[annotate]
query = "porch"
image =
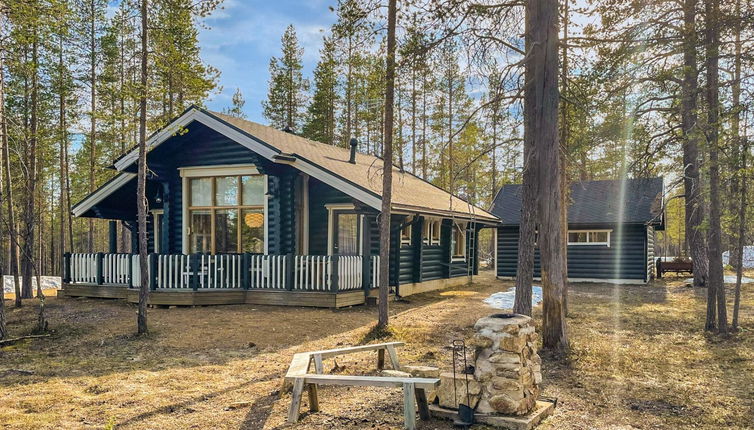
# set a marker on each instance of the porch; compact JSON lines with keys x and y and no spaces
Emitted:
{"x":201,"y":279}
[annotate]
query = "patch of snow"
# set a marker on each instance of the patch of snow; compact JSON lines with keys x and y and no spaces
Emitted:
{"x":748,"y":260}
{"x":48,"y":283}
{"x":728,"y":279}
{"x":505,"y":299}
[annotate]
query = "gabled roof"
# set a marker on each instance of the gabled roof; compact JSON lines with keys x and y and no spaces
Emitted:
{"x":596,"y":202}
{"x":328,"y":163}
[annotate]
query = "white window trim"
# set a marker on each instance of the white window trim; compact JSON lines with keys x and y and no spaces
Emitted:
{"x":224,"y":170}
{"x":430,"y":224}
{"x":334,"y":207}
{"x":461,"y":226}
{"x":212,"y":171}
{"x":407,"y":241}
{"x":607,"y":244}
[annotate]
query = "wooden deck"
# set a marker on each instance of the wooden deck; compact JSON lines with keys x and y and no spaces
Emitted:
{"x":184,"y":297}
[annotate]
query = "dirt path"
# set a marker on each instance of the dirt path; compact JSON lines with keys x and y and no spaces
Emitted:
{"x":639,"y":361}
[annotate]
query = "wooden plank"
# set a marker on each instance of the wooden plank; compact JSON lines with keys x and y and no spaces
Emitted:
{"x":299,"y":365}
{"x":421,"y":401}
{"x":327,"y":353}
{"x":380,"y":359}
{"x":298,"y":388}
{"x":313,"y":398}
{"x":349,"y":298}
{"x":318,"y":366}
{"x":291,"y":298}
{"x":409,"y":413}
{"x":97,"y":291}
{"x":371,"y":381}
{"x":393,"y":357}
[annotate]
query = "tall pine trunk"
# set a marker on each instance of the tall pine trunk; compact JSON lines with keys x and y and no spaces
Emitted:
{"x":741,"y":143}
{"x":694,"y":207}
{"x":27,"y":255}
{"x":387,"y":168}
{"x":542,"y":92}
{"x":141,"y":196}
{"x":3,"y":141}
{"x":716,"y":287}
{"x":92,"y":116}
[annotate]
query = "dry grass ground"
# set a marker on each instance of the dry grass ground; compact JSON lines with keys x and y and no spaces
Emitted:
{"x":639,"y":360}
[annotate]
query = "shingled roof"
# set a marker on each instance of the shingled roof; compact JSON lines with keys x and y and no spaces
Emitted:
{"x":362,"y":180}
{"x":595,"y":202}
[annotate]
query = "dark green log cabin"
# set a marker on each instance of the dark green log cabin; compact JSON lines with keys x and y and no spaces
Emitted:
{"x":611,"y":230}
{"x":252,"y":214}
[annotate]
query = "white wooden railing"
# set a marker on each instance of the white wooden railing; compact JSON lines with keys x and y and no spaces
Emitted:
{"x":83,"y":268}
{"x":115,"y":268}
{"x":225,"y":271}
{"x":312,"y":272}
{"x":350,"y":272}
{"x":268,"y":271}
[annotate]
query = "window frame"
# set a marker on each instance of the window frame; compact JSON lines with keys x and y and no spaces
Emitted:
{"x":589,"y":233}
{"x":460,"y":229}
{"x":213,"y":172}
{"x":406,"y":235}
{"x":333,"y":210}
{"x":431,"y":226}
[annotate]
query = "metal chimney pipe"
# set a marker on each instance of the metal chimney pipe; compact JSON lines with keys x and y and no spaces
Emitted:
{"x":354,"y":143}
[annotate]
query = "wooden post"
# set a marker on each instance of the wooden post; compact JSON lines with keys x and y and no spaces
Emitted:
{"x":113,"y":236}
{"x":130,"y":273}
{"x":298,"y":388}
{"x":246,"y":270}
{"x":152,"y":263}
{"x":409,"y":413}
{"x":313,"y":398}
{"x":98,"y":261}
{"x":446,"y":236}
{"x":421,"y":401}
{"x":416,"y":237}
{"x":66,"y":267}
{"x":334,"y":260}
{"x":289,"y":272}
{"x":165,"y":227}
{"x":366,"y":256}
{"x":195,"y":271}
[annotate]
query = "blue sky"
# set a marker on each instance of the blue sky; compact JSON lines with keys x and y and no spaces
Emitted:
{"x":244,"y":34}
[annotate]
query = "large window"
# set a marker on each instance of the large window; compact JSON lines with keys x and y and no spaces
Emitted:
{"x":226,"y":214}
{"x":589,"y":237}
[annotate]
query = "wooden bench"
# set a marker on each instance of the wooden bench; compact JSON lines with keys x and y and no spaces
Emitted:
{"x":302,"y":361}
{"x":677,"y":267}
{"x":414,"y":391}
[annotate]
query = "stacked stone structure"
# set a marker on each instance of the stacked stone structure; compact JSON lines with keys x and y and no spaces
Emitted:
{"x":507,"y":366}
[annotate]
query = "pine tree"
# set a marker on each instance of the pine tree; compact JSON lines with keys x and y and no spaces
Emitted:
{"x":287,"y":88}
{"x":180,"y":77}
{"x":320,"y":121}
{"x":238,"y":103}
